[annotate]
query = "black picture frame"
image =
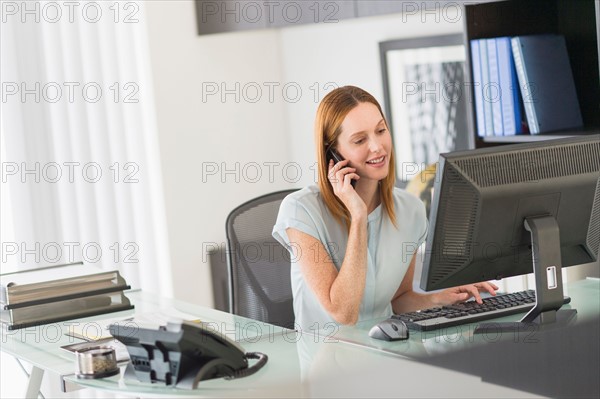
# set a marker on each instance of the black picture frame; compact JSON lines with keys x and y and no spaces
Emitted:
{"x":426,"y":99}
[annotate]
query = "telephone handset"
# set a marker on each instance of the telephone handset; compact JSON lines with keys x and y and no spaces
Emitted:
{"x":183,"y":354}
{"x":333,"y":154}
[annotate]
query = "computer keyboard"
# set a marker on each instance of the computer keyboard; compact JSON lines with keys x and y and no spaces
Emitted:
{"x":470,"y":312}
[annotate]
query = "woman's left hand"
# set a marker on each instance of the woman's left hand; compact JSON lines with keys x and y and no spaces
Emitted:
{"x":462,"y":293}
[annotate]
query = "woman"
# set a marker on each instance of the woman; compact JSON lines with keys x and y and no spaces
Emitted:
{"x":353,"y":247}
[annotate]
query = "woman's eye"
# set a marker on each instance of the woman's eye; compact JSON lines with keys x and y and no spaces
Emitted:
{"x":381,"y":131}
{"x":359,"y":141}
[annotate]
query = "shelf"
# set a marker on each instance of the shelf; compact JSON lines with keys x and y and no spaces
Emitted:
{"x":528,"y":138}
{"x":575,"y":20}
{"x":522,"y":138}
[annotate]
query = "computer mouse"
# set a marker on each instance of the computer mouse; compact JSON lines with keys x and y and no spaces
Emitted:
{"x":389,"y":330}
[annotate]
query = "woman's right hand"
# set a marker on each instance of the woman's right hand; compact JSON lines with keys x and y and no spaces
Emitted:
{"x":340,"y":177}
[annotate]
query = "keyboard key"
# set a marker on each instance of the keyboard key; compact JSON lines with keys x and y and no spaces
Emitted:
{"x":470,"y":312}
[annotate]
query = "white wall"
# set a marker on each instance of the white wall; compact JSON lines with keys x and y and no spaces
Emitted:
{"x":196,"y":132}
{"x":345,"y":53}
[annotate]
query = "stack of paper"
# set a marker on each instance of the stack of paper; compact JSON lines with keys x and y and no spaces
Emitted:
{"x":41,"y":296}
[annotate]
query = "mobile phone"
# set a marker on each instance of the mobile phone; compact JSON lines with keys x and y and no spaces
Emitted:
{"x":333,"y":154}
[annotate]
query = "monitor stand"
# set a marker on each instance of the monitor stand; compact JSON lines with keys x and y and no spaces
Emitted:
{"x":547,"y":264}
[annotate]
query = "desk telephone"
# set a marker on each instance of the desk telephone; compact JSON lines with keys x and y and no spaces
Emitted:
{"x":183,"y":354}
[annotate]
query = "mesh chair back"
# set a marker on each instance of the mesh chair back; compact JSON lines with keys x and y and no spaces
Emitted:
{"x":259,"y":267}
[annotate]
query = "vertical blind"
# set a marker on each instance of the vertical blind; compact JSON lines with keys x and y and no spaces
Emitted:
{"x":81,"y":176}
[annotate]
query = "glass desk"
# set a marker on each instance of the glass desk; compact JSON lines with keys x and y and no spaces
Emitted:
{"x":349,"y":363}
{"x":41,"y":345}
{"x":549,"y":360}
{"x":585,"y":297}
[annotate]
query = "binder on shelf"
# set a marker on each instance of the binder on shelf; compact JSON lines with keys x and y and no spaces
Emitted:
{"x":497,"y":98}
{"x":546,"y":82}
{"x":485,"y":83}
{"x":493,"y":88}
{"x":510,"y":107}
{"x":477,"y":88}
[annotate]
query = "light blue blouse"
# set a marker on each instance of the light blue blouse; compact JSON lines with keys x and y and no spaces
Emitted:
{"x":389,"y":250}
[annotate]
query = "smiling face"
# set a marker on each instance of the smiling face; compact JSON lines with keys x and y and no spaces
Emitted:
{"x":366,"y":142}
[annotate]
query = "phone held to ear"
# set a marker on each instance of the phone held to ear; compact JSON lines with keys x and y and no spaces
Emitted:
{"x":333,"y":154}
{"x":183,"y":354}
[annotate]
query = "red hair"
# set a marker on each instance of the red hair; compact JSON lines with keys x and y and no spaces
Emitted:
{"x":331,"y":113}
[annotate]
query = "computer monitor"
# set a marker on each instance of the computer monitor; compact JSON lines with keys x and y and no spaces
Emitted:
{"x":515,"y":209}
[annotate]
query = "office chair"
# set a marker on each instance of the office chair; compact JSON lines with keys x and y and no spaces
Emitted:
{"x":259,"y":267}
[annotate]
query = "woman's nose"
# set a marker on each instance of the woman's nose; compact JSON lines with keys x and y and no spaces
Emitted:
{"x":375,"y":145}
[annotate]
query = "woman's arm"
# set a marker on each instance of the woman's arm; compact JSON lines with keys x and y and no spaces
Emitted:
{"x":406,"y":300}
{"x":340,"y":293}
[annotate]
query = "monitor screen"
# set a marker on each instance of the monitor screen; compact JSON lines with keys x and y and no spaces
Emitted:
{"x":482,"y":198}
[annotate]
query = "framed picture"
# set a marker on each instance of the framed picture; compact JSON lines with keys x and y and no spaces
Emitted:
{"x":425,"y":99}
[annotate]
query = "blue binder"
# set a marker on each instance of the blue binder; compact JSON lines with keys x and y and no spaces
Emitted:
{"x":546,"y":83}
{"x":486,"y":87}
{"x":477,"y":88}
{"x":509,"y":88}
{"x":493,"y":89}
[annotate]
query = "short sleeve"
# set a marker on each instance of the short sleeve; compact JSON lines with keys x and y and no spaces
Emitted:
{"x":293,"y":214}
